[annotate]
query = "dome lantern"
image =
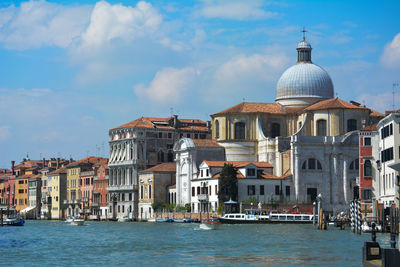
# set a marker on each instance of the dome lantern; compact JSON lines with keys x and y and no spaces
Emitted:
{"x":304,"y":49}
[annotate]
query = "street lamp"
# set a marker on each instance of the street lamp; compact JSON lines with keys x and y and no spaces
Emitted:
{"x":319,"y":198}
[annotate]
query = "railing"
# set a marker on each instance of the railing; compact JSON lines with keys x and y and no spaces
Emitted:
{"x":122,"y":187}
{"x":202,"y":197}
{"x":87,"y":173}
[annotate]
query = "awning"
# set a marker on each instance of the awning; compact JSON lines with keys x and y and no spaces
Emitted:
{"x":230,"y":202}
{"x":28,"y":209}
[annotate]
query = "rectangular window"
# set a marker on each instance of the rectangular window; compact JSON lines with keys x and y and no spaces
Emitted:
{"x":188,"y":135}
{"x":277,"y":190}
{"x":261,"y":190}
{"x":209,"y":190}
{"x":251,"y":172}
{"x":169,"y":135}
{"x":21,"y":191}
{"x":159,"y":135}
{"x":367,"y":141}
{"x":251,"y":190}
{"x":193,"y":191}
{"x":216,"y":189}
{"x":287,"y":190}
{"x":207,"y":173}
{"x":198,"y":190}
{"x":196,"y":136}
{"x":201,"y":173}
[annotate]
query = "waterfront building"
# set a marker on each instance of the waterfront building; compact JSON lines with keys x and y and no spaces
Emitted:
{"x":7,"y":188}
{"x":368,"y":165}
{"x":100,"y":193}
{"x":34,"y":196}
{"x":87,"y":182}
{"x":306,"y":132}
{"x":45,"y":210}
{"x":189,"y":154}
{"x":141,"y":144}
{"x":57,"y":188}
{"x":74,"y":193}
{"x":389,"y":164}
{"x":21,"y":192}
{"x":153,"y":184}
{"x":255,"y":182}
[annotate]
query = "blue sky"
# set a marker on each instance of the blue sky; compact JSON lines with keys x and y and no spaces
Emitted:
{"x":71,"y":70}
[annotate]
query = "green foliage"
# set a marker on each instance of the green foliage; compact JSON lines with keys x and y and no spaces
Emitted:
{"x":180,"y":208}
{"x":157,"y":205}
{"x":228,"y":188}
{"x":170,"y":207}
{"x":188,"y":207}
{"x":251,"y":200}
{"x":220,"y":209}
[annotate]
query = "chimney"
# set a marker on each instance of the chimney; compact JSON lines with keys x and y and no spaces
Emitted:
{"x":44,"y":162}
{"x":58,"y":163}
{"x":12,"y":167}
{"x":175,"y":121}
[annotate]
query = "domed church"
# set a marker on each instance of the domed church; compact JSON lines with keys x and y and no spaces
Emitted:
{"x":306,"y":133}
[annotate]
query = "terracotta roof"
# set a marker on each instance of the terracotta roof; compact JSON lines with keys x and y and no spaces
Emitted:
{"x":60,"y":170}
{"x":333,"y":103}
{"x":375,"y":113}
{"x":205,"y":143}
{"x":148,"y":122}
{"x":370,"y":128}
{"x":245,"y":107}
{"x":387,"y":112}
{"x":163,"y":167}
{"x":237,"y":164}
{"x":91,"y":159}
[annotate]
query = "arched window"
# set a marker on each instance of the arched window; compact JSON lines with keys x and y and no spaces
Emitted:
{"x":354,"y":165}
{"x":240,"y":130}
{"x":351,"y":125}
{"x":367,"y":168}
{"x":216,"y":129}
{"x":321,"y":128}
{"x":275,"y":130}
{"x":311,"y":164}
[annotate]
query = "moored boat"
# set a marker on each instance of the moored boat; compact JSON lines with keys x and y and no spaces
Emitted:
{"x":14,"y":221}
{"x":241,"y":218}
{"x":124,"y":219}
{"x":184,"y":220}
{"x":165,"y":219}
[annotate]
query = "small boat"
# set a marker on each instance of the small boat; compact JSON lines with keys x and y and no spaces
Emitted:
{"x":69,"y":219}
{"x":14,"y":221}
{"x":165,"y":219}
{"x":210,"y":224}
{"x":291,"y":218}
{"x":367,"y":228}
{"x":124,"y":219}
{"x":77,"y":222}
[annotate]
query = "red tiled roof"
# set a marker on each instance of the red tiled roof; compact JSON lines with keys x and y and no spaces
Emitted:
{"x":237,"y":164}
{"x":333,"y":103}
{"x":58,"y":171}
{"x":387,"y":112}
{"x":148,"y":122}
{"x":163,"y":167}
{"x":370,"y":128}
{"x":205,"y":143}
{"x":375,"y":113}
{"x":91,"y":159}
{"x":245,"y":107}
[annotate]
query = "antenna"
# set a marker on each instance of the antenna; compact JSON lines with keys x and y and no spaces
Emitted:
{"x":395,"y":84}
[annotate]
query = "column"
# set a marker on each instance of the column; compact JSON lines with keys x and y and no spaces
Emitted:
{"x":296,"y":173}
{"x":345,"y":181}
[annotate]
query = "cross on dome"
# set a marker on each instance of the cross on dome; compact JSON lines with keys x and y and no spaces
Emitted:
{"x":304,"y":33}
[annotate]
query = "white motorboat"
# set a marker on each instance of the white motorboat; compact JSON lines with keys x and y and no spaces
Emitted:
{"x":239,"y":218}
{"x":124,"y":219}
{"x":77,"y":222}
{"x":290,"y":218}
{"x":69,"y":219}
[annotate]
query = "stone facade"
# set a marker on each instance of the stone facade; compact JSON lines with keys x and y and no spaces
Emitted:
{"x":141,"y":144}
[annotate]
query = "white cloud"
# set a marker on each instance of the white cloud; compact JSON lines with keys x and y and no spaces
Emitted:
{"x":168,"y":85}
{"x":118,"y":22}
{"x":236,"y":10}
{"x":391,"y":54}
{"x":4,"y":132}
{"x":380,"y":102}
{"x":38,"y":23}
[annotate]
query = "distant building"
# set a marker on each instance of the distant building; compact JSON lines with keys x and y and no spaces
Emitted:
{"x":141,"y":144}
{"x":369,"y":189}
{"x":255,"y":181}
{"x":153,"y":186}
{"x":100,"y":192}
{"x":57,"y":188}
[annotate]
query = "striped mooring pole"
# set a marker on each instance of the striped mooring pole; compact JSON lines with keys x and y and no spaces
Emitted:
{"x":352,"y":215}
{"x":359,"y":216}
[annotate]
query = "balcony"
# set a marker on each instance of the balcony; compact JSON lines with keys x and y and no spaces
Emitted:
{"x":122,"y":188}
{"x":95,"y":204}
{"x":71,"y":202}
{"x":202,"y":197}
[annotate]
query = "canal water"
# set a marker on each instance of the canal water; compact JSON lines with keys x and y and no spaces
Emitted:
{"x":54,"y":243}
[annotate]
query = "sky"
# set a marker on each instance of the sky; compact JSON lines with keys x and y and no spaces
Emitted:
{"x":72,"y":70}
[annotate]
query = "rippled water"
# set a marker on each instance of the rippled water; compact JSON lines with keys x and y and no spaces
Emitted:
{"x":56,"y":243}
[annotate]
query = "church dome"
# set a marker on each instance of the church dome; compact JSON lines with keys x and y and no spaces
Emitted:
{"x":304,"y":83}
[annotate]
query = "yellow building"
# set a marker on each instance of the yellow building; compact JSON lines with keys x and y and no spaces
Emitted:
{"x":21,"y":192}
{"x":56,"y":186}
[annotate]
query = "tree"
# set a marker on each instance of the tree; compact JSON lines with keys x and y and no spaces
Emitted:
{"x":228,"y":188}
{"x":157,"y":205}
